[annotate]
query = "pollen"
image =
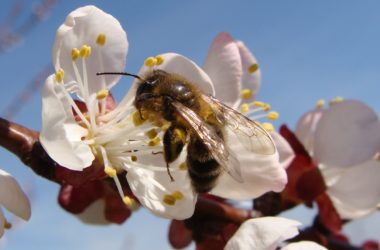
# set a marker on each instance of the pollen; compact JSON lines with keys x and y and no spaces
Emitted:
{"x":169,"y":199}
{"x":134,"y":158}
{"x":180,"y":134}
{"x":59,"y":75}
{"x":183,"y":166}
{"x":246,"y":93}
{"x":110,"y":171}
{"x":154,"y":142}
{"x":102,"y":94}
{"x":75,"y":53}
{"x":244,"y":108}
{"x":101,"y":39}
{"x":160,"y":60}
{"x":336,"y":100}
{"x":273,"y":115}
{"x":320,"y":104}
{"x":7,"y":225}
{"x":253,"y":68}
{"x":150,"y":61}
{"x":152,"y":133}
{"x":178,"y":195}
{"x":137,"y":119}
{"x":130,"y":202}
{"x":267,"y":126}
{"x":85,"y":51}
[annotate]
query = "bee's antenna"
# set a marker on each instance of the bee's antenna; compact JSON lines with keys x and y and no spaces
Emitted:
{"x":119,"y":73}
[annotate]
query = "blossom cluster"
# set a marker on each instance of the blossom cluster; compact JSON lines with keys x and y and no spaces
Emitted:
{"x":94,"y":139}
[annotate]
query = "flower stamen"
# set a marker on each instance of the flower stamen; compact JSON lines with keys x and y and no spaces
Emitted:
{"x":169,"y":199}
{"x":183,"y":166}
{"x":246,"y":94}
{"x":75,"y":53}
{"x":59,"y":75}
{"x":130,"y":202}
{"x":102,"y":94}
{"x":253,"y":68}
{"x":267,"y":126}
{"x":159,"y":60}
{"x":7,"y":225}
{"x":320,"y":104}
{"x":336,"y":100}
{"x":154,"y":142}
{"x":101,"y":39}
{"x":150,"y":61}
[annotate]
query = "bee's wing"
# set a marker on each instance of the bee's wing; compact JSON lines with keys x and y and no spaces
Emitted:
{"x":254,"y":138}
{"x":213,"y":142}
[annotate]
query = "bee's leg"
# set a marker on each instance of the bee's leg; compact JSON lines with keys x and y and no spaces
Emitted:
{"x":174,"y":140}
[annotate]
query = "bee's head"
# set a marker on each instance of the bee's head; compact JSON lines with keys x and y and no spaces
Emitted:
{"x":148,"y":91}
{"x":146,"y":96}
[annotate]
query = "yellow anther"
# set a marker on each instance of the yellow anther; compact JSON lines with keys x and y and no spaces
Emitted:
{"x":336,"y":100}
{"x":101,"y":39}
{"x":169,"y":199}
{"x":102,"y":94}
{"x":273,"y":115}
{"x":152,"y":133}
{"x":159,"y":60}
{"x":130,"y":202}
{"x":154,"y":142}
{"x":267,"y":126}
{"x":150,"y":61}
{"x":246,"y":93}
{"x":183,"y":166}
{"x":253,"y":68}
{"x":320,"y":104}
{"x":59,"y":75}
{"x":258,"y":104}
{"x":75,"y":53}
{"x":110,"y":171}
{"x":244,"y":108}
{"x":137,"y":119}
{"x":267,"y":107}
{"x":85,"y":51}
{"x":178,"y":195}
{"x":7,"y":225}
{"x":134,"y":158}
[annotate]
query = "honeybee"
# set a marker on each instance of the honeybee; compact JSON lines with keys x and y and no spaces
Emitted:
{"x":199,"y":121}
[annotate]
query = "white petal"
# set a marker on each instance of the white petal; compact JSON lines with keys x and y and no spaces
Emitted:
{"x":304,"y":245}
{"x":82,"y":27}
{"x":261,"y":173}
{"x":94,"y":214}
{"x":306,"y":126}
{"x":2,"y":221}
{"x":177,"y":64}
{"x":150,"y":187}
{"x":356,"y":192}
{"x":250,"y":81}
{"x":347,"y":134}
{"x":285,"y":151}
{"x":12,"y":197}
{"x":264,"y":233}
{"x":223,"y":65}
{"x":60,"y":134}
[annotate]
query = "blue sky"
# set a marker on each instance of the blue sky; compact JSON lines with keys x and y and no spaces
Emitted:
{"x":307,"y":50}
